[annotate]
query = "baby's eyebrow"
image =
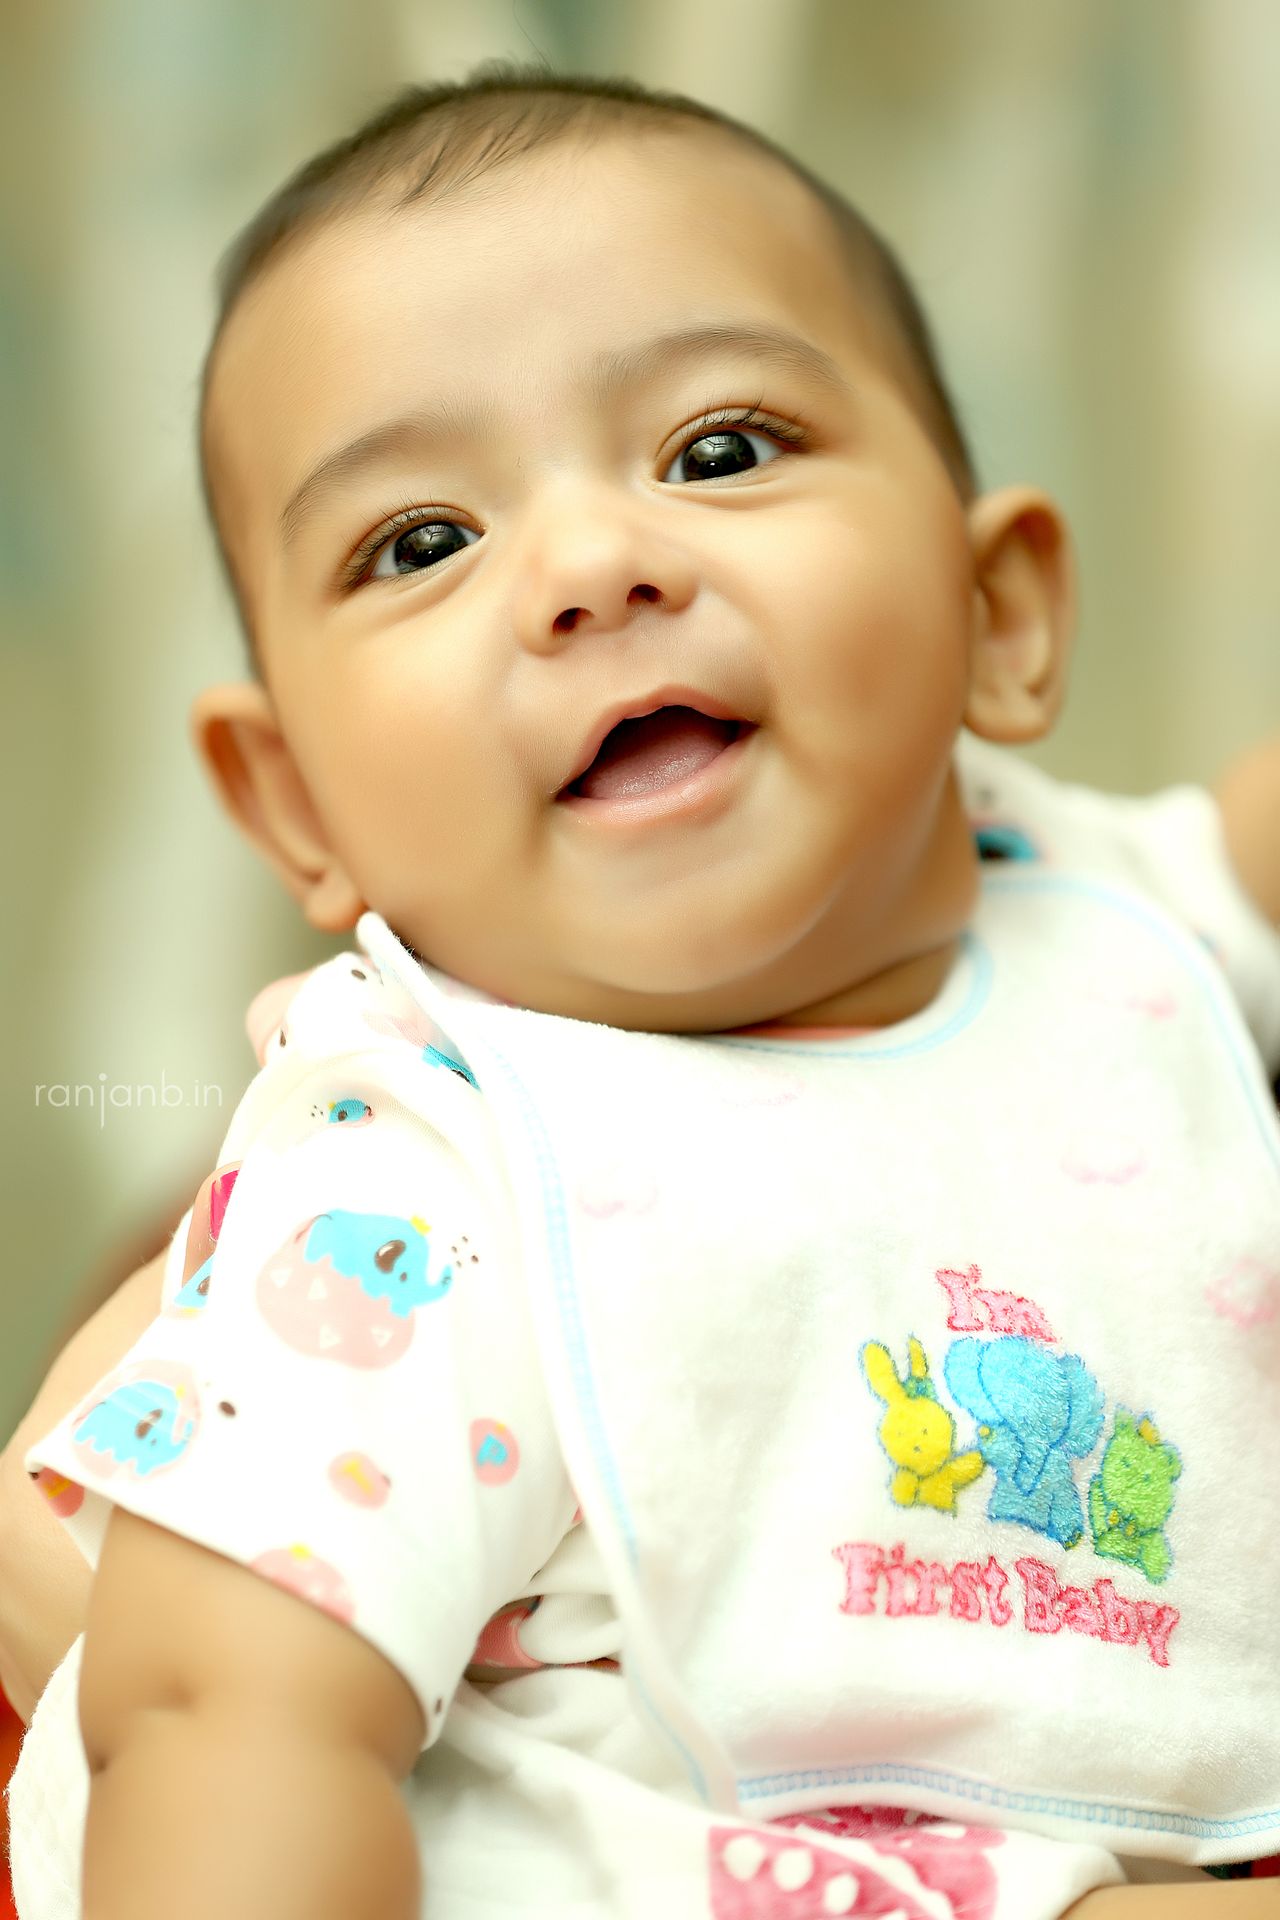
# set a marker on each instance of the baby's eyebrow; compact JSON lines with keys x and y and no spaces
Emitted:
{"x":448,"y":420}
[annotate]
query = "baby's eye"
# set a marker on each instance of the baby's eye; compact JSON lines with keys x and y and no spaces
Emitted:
{"x":417,"y":547}
{"x":709,"y":455}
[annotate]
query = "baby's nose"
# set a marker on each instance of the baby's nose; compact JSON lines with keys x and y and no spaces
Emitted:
{"x":594,"y":564}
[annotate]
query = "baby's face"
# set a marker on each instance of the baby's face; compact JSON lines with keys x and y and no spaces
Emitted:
{"x":526,"y":374}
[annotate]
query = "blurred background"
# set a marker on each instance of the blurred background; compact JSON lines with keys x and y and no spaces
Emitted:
{"x":1087,"y":194}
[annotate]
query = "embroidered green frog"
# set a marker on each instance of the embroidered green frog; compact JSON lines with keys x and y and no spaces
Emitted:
{"x":1131,"y":1495}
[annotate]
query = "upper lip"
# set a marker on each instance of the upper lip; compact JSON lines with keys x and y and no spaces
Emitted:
{"x":636,"y":709}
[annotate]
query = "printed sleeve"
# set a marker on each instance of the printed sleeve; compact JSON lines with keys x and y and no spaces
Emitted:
{"x":342,"y":1394}
{"x":1170,"y":846}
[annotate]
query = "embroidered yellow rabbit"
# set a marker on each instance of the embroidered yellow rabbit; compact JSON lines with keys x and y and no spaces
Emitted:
{"x":917,"y":1434}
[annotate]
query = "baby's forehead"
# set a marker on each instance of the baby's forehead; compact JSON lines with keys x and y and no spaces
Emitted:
{"x":679,"y":208}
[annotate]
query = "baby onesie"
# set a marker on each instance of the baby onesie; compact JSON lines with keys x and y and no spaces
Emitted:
{"x":892,"y":1415}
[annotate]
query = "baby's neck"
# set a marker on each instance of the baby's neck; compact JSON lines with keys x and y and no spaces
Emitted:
{"x":883,"y":1000}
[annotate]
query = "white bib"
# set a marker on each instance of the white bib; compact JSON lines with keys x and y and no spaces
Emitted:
{"x":920,"y":1387}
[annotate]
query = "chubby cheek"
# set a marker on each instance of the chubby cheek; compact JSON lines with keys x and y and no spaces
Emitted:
{"x":393,"y":764}
{"x":882,"y":633}
{"x":878,"y":677}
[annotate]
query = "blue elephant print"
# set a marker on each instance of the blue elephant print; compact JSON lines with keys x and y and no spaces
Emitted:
{"x":142,"y":1425}
{"x":1037,"y":1412}
{"x":385,"y":1252}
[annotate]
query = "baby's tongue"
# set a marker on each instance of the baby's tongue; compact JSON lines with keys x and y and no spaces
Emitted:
{"x":641,"y":756}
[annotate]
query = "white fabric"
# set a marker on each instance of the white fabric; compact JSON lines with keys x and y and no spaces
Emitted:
{"x":1033,"y":1234}
{"x":318,"y":1411}
{"x":1168,"y":845}
{"x":48,"y":1798}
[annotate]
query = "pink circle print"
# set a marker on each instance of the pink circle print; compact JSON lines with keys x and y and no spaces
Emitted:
{"x":494,"y":1452}
{"x":297,"y":1570}
{"x":1248,"y":1293}
{"x":359,"y":1480}
{"x":63,"y":1496}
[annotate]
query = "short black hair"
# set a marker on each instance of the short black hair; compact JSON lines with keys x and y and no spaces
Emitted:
{"x":426,"y":141}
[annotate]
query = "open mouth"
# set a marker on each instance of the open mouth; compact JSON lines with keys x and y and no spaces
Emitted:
{"x":639,"y":757}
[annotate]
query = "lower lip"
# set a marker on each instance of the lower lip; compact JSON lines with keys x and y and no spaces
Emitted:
{"x":694,"y":794}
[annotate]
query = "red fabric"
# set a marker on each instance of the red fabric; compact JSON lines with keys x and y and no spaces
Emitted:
{"x":11,"y":1731}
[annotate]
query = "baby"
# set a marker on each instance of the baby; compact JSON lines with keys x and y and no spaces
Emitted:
{"x":735,"y":1373}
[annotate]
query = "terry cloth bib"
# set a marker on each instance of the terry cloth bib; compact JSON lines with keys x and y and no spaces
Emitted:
{"x":920,"y":1386}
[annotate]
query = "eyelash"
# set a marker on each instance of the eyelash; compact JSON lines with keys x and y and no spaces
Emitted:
{"x":796,"y":434}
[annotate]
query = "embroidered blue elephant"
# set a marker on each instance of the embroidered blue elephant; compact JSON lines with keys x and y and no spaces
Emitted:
{"x":1037,"y":1412}
{"x":142,"y":1425}
{"x":385,"y":1252}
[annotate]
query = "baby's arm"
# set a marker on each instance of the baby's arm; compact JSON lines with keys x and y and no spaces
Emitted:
{"x":1229,"y":1900}
{"x":44,"y":1577}
{"x":1249,"y":795}
{"x":245,"y":1750}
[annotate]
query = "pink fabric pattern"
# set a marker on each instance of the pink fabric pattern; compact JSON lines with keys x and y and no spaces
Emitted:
{"x":756,"y":1873}
{"x":950,"y":1860}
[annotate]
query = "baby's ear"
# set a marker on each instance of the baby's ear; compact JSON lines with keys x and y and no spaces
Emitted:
{"x":1024,"y":610}
{"x":258,"y":782}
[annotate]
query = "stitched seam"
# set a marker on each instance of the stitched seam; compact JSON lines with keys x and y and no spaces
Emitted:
{"x":960,"y":1786}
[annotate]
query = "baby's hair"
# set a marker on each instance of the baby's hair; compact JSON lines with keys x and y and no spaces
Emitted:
{"x":427,"y":142}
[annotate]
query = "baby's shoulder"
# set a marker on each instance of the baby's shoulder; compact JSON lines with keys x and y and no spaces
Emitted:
{"x":345,"y":1005}
{"x":1166,"y":848}
{"x":342,"y":1042}
{"x":1021,"y":813}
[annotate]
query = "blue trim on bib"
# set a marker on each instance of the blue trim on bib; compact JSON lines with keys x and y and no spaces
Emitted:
{"x":959,"y":1786}
{"x":856,"y":1049}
